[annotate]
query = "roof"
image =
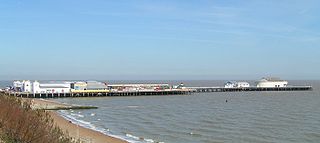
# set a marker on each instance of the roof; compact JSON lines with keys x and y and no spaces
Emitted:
{"x":231,"y":82}
{"x":136,"y":85}
{"x":243,"y":82}
{"x":53,"y":86}
{"x":95,"y":85}
{"x":272,"y":79}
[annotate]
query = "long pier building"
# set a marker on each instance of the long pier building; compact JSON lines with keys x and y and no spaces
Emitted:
{"x":37,"y":89}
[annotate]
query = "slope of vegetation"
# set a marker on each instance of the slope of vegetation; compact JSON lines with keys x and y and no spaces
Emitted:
{"x":20,"y":124}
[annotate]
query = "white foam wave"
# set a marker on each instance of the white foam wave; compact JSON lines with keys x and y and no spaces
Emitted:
{"x":79,"y":115}
{"x":132,"y":106}
{"x":73,"y":118}
{"x":141,"y":139}
{"x":149,"y":140}
{"x":132,"y":136}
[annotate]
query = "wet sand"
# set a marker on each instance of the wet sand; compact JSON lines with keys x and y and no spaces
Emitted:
{"x":75,"y":131}
{"x":84,"y":134}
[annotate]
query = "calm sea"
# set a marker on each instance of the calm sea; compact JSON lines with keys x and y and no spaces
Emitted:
{"x":258,"y":117}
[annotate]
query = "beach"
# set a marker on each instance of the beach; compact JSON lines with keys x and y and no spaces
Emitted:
{"x":74,"y":131}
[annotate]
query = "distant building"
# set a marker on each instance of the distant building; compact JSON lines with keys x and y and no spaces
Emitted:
{"x":242,"y":84}
{"x":180,"y":86}
{"x":135,"y":87}
{"x":272,"y":82}
{"x":230,"y":84}
{"x":63,"y":87}
{"x":17,"y":86}
{"x":27,"y":87}
{"x":22,"y":86}
{"x":95,"y":85}
{"x":234,"y":84}
{"x":79,"y":86}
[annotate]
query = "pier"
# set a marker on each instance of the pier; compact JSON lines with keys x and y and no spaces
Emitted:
{"x":103,"y":94}
{"x":36,"y":89}
{"x":185,"y":91}
{"x":247,"y":89}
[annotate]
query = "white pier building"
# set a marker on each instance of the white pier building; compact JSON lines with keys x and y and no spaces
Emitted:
{"x":272,"y":82}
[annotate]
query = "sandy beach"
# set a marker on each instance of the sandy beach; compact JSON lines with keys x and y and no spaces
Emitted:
{"x":77,"y":132}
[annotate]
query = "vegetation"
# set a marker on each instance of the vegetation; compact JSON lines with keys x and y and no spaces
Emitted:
{"x":20,"y":124}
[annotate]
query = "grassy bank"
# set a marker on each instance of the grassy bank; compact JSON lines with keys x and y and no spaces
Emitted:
{"x":20,"y":124}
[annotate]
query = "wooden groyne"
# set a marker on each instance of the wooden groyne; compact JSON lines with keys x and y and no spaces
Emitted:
{"x":52,"y":105}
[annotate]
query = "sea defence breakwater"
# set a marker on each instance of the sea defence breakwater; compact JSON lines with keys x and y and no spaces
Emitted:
{"x":60,"y":89}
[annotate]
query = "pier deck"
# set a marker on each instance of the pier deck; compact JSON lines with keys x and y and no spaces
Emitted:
{"x":186,"y":91}
{"x":244,"y":89}
{"x":101,"y":94}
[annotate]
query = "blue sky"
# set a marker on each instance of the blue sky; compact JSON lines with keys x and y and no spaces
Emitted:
{"x":167,"y":39}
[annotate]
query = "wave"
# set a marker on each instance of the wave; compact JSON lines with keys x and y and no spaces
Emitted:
{"x":142,"y":139}
{"x":79,"y":115}
{"x":127,"y":137}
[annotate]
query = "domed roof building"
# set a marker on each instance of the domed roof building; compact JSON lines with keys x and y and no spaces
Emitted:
{"x":272,"y":82}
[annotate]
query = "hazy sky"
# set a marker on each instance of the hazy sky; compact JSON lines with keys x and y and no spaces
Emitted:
{"x":164,"y":39}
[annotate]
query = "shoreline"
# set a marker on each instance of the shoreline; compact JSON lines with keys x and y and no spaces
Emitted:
{"x":73,"y":130}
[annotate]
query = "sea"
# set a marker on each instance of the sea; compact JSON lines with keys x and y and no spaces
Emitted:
{"x":219,"y":117}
